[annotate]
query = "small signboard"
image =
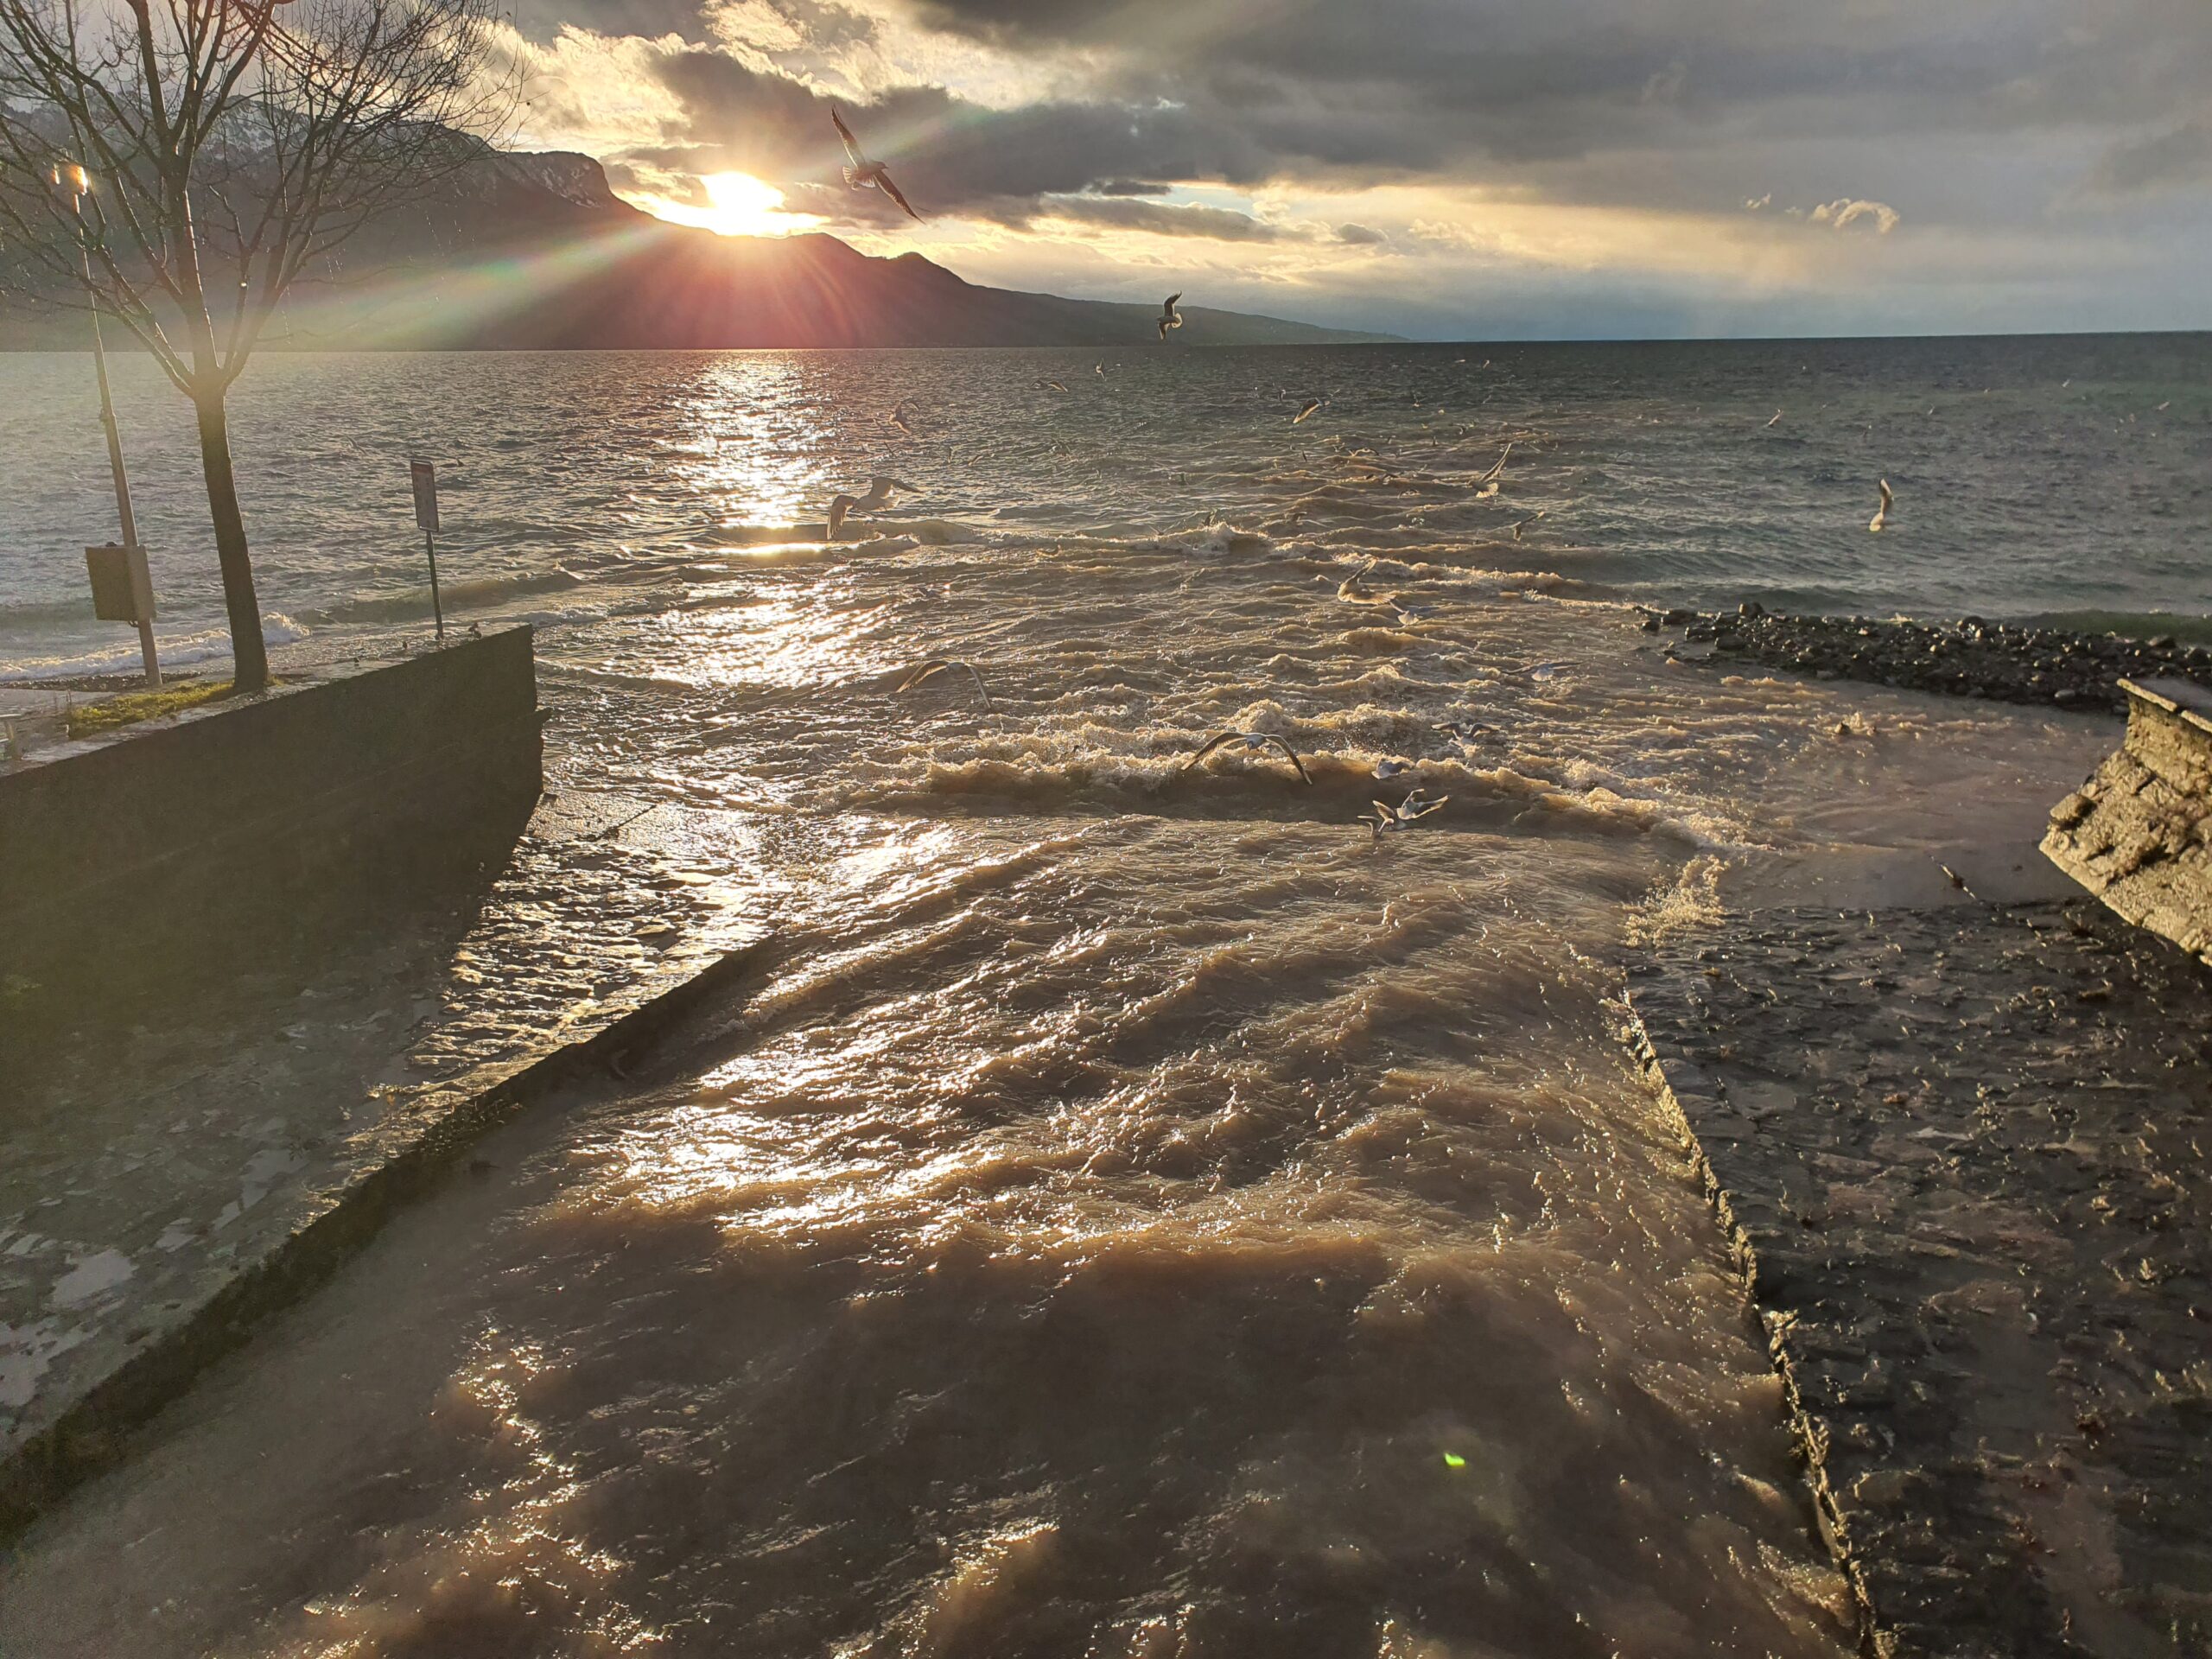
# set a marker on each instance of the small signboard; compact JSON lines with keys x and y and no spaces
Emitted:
{"x":426,"y":495}
{"x":123,"y":588}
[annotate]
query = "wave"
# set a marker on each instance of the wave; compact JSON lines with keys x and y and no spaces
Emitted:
{"x":2129,"y":624}
{"x":177,"y":651}
{"x":481,"y":593}
{"x":1095,"y":768}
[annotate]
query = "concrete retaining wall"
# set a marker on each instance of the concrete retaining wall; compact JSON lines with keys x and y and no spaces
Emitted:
{"x":2138,"y":835}
{"x":187,"y":833}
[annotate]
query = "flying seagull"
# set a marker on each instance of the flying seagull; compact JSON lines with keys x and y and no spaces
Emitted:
{"x":1250,"y":741}
{"x":1491,"y":476}
{"x":1311,"y":405}
{"x":1389,"y":819}
{"x":878,"y":498}
{"x":1881,"y":519}
{"x":1777,"y":421}
{"x":937,"y":665}
{"x":1050,"y":386}
{"x":899,"y":419}
{"x":1168,"y":319}
{"x":1352,"y":588}
{"x":861,"y":173}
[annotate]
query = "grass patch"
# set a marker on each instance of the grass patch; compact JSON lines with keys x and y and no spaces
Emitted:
{"x":110,"y":714}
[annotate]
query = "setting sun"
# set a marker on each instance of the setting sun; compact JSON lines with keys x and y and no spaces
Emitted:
{"x":737,"y":205}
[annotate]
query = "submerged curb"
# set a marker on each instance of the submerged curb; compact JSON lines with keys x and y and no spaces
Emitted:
{"x":1686,"y":1092}
{"x":93,"y":1432}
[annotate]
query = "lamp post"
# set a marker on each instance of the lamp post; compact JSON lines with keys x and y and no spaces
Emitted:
{"x":75,"y":179}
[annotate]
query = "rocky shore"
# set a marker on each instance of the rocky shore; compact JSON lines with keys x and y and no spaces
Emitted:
{"x":2009,"y":662}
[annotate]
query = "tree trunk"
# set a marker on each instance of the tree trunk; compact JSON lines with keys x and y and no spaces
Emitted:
{"x":247,"y":648}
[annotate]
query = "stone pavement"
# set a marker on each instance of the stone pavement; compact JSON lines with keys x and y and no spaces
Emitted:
{"x":1961,"y":1149}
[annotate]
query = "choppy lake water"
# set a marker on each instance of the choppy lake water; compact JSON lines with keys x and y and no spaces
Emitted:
{"x":1139,"y":1214}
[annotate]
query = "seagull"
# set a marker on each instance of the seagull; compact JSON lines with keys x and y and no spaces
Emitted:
{"x":1389,"y":819}
{"x":1777,"y":421}
{"x":1882,"y":514}
{"x":878,"y":496}
{"x":1311,"y":404}
{"x":1386,"y":770}
{"x":1168,"y":319}
{"x":1352,"y":588}
{"x":899,"y":419}
{"x":2164,"y":407}
{"x":1490,"y":477}
{"x":937,"y":665}
{"x":861,"y":173}
{"x":1250,"y":741}
{"x":1530,"y":520}
{"x":1050,"y":386}
{"x":1098,"y":369}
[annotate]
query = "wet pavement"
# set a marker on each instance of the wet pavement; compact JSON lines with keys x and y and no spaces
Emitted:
{"x":1961,"y":1150}
{"x":161,"y":1153}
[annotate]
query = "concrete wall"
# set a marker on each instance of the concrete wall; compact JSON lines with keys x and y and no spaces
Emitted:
{"x":2138,"y":835}
{"x":192,"y":830}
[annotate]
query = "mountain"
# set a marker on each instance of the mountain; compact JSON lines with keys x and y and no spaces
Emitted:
{"x":536,"y":251}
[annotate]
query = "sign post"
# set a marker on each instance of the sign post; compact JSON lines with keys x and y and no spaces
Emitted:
{"x":425,"y":478}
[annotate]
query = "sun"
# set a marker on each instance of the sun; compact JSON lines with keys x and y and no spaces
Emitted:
{"x":737,"y":205}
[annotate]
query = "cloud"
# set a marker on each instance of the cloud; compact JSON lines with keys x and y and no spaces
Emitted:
{"x":2164,"y":161}
{"x":1220,"y":224}
{"x":1845,"y":212}
{"x":1597,"y":135}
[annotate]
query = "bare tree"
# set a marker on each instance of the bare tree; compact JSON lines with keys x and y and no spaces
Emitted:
{"x":231,"y":145}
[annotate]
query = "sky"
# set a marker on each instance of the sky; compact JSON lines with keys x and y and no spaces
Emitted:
{"x":1442,"y":169}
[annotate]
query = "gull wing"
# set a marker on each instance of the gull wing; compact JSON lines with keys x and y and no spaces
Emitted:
{"x":1409,"y":812}
{"x":937,"y":665}
{"x":1211,"y":744}
{"x":852,"y":144}
{"x":1168,"y":310}
{"x":1492,"y":475}
{"x":981,"y":691}
{"x":891,"y":190}
{"x":1294,"y":760}
{"x":838,"y":509}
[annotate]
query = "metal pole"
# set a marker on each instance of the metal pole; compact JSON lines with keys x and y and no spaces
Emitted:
{"x":430,"y":547}
{"x":114,"y":435}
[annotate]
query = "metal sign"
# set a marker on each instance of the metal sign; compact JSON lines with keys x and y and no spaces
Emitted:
{"x":123,"y":588}
{"x":426,"y":495}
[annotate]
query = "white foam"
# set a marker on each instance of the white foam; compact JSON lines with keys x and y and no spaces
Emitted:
{"x":177,"y":651}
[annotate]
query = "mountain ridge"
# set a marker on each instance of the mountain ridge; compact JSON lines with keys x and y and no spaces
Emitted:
{"x":534,"y":251}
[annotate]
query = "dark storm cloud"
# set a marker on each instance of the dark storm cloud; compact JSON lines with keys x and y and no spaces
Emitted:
{"x":1360,"y":235}
{"x":952,"y":154}
{"x":1695,"y":104}
{"x":2161,"y":161}
{"x":1400,"y":87}
{"x":1220,"y":224}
